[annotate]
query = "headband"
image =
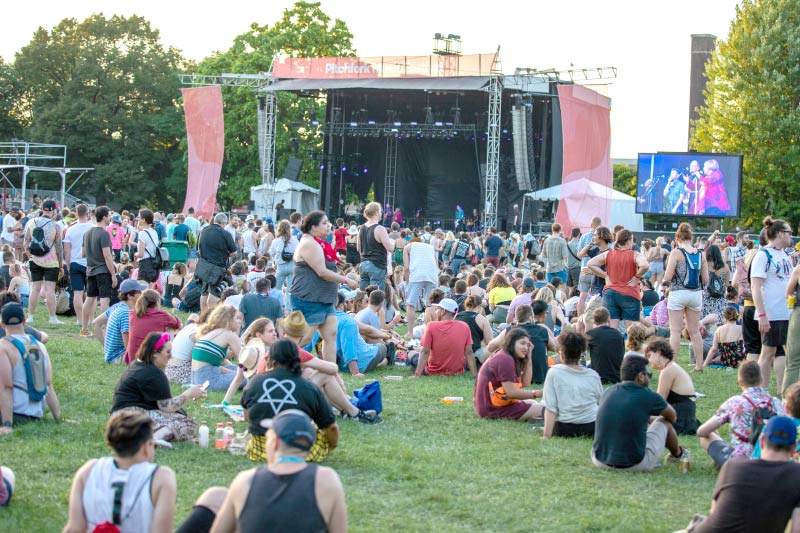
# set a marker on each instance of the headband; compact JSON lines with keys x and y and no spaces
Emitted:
{"x":164,"y":339}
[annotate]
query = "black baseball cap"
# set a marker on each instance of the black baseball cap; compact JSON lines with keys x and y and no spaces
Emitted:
{"x":49,"y":205}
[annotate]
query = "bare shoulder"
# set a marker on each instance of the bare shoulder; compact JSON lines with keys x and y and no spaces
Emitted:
{"x":165,"y":475}
{"x":329,"y":479}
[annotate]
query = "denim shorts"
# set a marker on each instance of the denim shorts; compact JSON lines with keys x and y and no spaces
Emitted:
{"x":217,"y":381}
{"x":561,"y":274}
{"x":621,"y":306}
{"x":371,"y":274}
{"x":315,"y":313}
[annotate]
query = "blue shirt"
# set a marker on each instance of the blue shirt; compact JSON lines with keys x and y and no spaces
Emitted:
{"x":350,"y":345}
{"x":180,"y":232}
{"x":117,"y":325}
{"x":493,"y":245}
{"x":161,"y":230}
{"x":585,"y":240}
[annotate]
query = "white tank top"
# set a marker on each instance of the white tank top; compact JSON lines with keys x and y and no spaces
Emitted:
{"x":249,"y":242}
{"x":131,"y":488}
{"x":422,"y":264}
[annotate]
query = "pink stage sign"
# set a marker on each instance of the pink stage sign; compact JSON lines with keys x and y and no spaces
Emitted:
{"x":433,"y":66}
{"x":205,"y":132}
{"x":586,"y":126}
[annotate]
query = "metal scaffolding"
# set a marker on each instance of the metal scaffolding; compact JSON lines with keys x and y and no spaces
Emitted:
{"x":495,"y":90}
{"x":391,"y":171}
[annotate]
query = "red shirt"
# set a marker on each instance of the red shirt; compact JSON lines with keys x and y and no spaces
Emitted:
{"x":621,"y":267}
{"x":447,"y":340}
{"x":155,"y":320}
{"x":340,"y":235}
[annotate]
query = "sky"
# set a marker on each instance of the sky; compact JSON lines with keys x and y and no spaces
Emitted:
{"x":648,"y":42}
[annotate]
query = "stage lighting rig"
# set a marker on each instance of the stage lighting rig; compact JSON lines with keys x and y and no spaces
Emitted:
{"x":446,"y":45}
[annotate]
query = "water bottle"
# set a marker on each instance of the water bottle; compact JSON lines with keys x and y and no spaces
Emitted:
{"x":219,"y":437}
{"x":203,"y":434}
{"x":228,"y":434}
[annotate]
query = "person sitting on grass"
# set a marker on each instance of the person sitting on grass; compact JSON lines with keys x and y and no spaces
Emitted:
{"x":727,"y":349}
{"x":446,"y":344}
{"x":758,"y":495}
{"x":116,"y":321}
{"x":738,"y":411}
{"x":7,"y":483}
{"x":532,"y":320}
{"x":216,"y":338}
{"x":635,"y":341}
{"x":606,"y":347}
{"x":479,"y":326}
{"x":674,"y":385}
{"x":16,"y":403}
{"x":572,"y":392}
{"x":145,"y":318}
{"x":280,"y":388}
{"x":353,"y":353}
{"x":300,"y":496}
{"x":791,"y":403}
{"x":145,"y":388}
{"x":500,"y":390}
{"x":624,"y":438}
{"x":260,"y":303}
{"x":8,"y":297}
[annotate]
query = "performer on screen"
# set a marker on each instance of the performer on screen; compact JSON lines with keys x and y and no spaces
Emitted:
{"x":713,"y":197}
{"x":460,"y":226}
{"x":691,"y":202}
{"x":674,"y":193}
{"x":648,"y":197}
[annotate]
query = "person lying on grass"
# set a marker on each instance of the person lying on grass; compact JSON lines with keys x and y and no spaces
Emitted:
{"x":572,"y":392}
{"x":500,"y":390}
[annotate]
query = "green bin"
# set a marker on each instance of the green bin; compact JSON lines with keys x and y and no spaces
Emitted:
{"x":178,"y":252}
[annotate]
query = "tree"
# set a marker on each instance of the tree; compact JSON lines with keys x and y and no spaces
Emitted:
{"x":108,"y":90}
{"x":303,"y":31}
{"x":11,"y":104}
{"x":625,"y":178}
{"x":752,"y":99}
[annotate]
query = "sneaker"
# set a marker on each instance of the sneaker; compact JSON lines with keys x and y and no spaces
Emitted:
{"x":54,"y":321}
{"x":684,"y":455}
{"x":85,"y":333}
{"x":368,"y":417}
{"x":162,"y":444}
{"x":29,"y":319}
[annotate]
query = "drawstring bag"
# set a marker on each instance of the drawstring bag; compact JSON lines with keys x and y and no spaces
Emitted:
{"x":368,"y":397}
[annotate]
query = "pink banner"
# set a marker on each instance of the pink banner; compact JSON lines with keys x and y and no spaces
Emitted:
{"x":587,"y":176}
{"x":205,"y":133}
{"x":433,"y":66}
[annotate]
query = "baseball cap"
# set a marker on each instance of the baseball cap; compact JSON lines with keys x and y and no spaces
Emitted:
{"x":448,"y":305}
{"x":730,"y":240}
{"x":49,"y":205}
{"x":116,"y":218}
{"x":171,"y":216}
{"x":528,"y":283}
{"x":131,"y":285}
{"x":293,"y":427}
{"x":13,"y":314}
{"x":779,"y":430}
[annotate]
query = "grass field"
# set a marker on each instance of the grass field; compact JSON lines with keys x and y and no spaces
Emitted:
{"x":429,"y":467}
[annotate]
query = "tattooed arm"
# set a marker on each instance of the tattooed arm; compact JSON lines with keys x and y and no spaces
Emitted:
{"x":171,"y":405}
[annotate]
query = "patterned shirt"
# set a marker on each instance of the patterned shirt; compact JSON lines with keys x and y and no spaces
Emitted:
{"x":738,"y":412}
{"x":659,"y":315}
{"x":734,"y":254}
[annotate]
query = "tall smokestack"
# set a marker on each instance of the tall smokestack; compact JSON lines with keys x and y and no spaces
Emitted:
{"x":702,"y":47}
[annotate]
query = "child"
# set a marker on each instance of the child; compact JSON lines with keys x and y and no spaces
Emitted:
{"x":635,"y":342}
{"x":728,"y":345}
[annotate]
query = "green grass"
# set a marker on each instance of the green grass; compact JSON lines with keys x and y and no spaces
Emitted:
{"x":429,"y":466}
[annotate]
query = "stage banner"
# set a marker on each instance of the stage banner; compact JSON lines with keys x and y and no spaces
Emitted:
{"x":586,"y":125}
{"x":433,"y":66}
{"x":205,"y":133}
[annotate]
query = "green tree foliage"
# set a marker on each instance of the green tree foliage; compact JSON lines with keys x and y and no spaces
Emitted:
{"x":625,"y":178}
{"x":752,"y":100}
{"x":11,"y":103}
{"x":303,"y":31}
{"x":108,"y":90}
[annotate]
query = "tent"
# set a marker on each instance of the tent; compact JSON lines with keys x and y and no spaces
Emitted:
{"x":585,"y":195}
{"x":296,"y":196}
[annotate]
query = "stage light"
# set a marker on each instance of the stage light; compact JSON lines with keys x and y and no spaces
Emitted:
{"x":438,"y":124}
{"x":505,"y":131}
{"x":365,"y":170}
{"x":322,"y":167}
{"x":371,"y":122}
{"x":398,"y":124}
{"x":315,"y":122}
{"x":448,"y":123}
{"x":413,"y":123}
{"x":344,"y":169}
{"x":354,"y":124}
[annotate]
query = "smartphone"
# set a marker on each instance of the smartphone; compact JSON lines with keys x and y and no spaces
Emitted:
{"x":205,"y":385}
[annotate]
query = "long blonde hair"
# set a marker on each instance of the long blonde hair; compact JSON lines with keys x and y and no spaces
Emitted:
{"x":545,"y":294}
{"x":284,"y":230}
{"x":220,"y":318}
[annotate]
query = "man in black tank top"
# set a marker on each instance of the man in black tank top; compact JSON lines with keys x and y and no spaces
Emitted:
{"x":288,"y":494}
{"x":374,"y":245}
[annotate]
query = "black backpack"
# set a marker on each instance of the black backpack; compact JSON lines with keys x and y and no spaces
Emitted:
{"x":716,"y":289}
{"x":39,"y":245}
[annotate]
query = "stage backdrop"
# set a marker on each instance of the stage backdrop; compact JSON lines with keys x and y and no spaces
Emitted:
{"x":587,"y":154}
{"x":205,"y":132}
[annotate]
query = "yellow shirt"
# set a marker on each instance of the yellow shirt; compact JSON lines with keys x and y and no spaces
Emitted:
{"x":501,"y":294}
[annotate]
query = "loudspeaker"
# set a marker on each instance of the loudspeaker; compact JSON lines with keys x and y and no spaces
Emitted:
{"x":519,"y":125}
{"x":293,"y":168}
{"x":284,"y":213}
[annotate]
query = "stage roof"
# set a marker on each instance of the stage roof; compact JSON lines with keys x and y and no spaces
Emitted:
{"x":521,"y":83}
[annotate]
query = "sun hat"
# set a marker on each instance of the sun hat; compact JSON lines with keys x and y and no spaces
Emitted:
{"x":352,"y":230}
{"x":249,"y":357}
{"x":448,"y":305}
{"x":292,"y":427}
{"x":295,"y":325}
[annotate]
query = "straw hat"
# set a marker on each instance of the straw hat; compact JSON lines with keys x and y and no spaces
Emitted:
{"x":249,"y":357}
{"x":295,"y":325}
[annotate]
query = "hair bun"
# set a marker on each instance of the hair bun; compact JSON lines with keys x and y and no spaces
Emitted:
{"x":768,"y":221}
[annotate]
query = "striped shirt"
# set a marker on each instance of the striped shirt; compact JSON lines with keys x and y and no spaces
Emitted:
{"x":117,"y":325}
{"x":209,"y":352}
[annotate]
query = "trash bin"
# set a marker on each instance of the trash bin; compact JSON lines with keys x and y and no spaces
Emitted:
{"x":178,"y":252}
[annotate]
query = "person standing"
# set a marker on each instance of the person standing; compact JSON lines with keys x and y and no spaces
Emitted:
{"x":585,"y":280}
{"x":215,"y":246}
{"x":9,"y":223}
{"x":556,"y":252}
{"x":43,"y":241}
{"x":282,"y":252}
{"x":374,"y":245}
{"x":100,"y":269}
{"x":793,"y":335}
{"x":117,"y":233}
{"x":573,"y":261}
{"x":76,"y":266}
{"x":249,"y":240}
{"x":421,"y":273}
{"x":492,"y":246}
{"x":769,"y":278}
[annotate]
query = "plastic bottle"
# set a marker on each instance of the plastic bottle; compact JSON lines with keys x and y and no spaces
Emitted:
{"x":229,"y":433}
{"x":219,"y":437}
{"x":203,"y":434}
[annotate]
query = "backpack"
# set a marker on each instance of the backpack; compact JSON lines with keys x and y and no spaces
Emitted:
{"x":533,"y":248}
{"x":758,"y":419}
{"x":692,"y":281}
{"x":749,"y":281}
{"x":39,"y":246}
{"x":35,"y":367}
{"x":397,"y":256}
{"x":716,"y":289}
{"x":161,"y":257}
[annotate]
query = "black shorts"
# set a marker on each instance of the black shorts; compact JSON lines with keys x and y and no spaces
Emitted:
{"x":720,"y":451}
{"x":77,"y":277}
{"x":565,"y":429}
{"x":39,"y":273}
{"x":777,"y":334}
{"x":199,"y":520}
{"x":99,"y":285}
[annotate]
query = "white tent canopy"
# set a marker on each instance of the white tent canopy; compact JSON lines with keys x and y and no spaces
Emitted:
{"x":295,"y":195}
{"x":623,"y":206}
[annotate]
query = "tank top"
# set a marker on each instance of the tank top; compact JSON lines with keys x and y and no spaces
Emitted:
{"x":20,"y":399}
{"x":621,"y":267}
{"x":352,"y":255}
{"x":462,"y":249}
{"x":121,"y":497}
{"x":286,"y":502}
{"x":468,"y":317}
{"x":309,"y":287}
{"x":371,"y":249}
{"x":206,"y":351}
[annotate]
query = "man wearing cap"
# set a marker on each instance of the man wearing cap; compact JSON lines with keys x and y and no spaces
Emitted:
{"x":758,"y":494}
{"x":76,"y":265}
{"x":45,"y":268}
{"x":112,"y":326}
{"x":101,"y":280}
{"x":302,"y":496}
{"x":215,"y":247}
{"x":446,"y":344}
{"x":16,"y":405}
{"x":353,"y":353}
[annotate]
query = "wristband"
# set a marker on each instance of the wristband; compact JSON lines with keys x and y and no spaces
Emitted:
{"x":762,"y":315}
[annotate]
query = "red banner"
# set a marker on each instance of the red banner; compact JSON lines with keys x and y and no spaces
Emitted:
{"x":434,"y":66}
{"x":586,"y":126}
{"x":205,"y":132}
